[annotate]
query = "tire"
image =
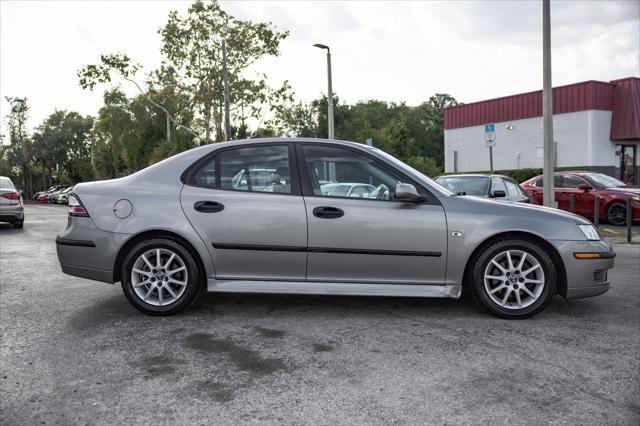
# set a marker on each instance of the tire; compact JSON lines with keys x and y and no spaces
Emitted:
{"x":617,"y":213}
{"x":159,"y":293}
{"x":18,"y":225}
{"x":500,"y":296}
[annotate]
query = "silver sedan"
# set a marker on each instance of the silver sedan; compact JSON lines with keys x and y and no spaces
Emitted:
{"x":188,"y":223}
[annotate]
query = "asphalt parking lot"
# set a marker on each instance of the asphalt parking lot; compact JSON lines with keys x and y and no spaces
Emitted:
{"x":75,"y":352}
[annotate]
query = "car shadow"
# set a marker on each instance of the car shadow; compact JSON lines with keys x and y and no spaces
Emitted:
{"x":8,"y":228}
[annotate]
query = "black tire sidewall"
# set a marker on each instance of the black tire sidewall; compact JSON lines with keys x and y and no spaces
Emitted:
{"x":193,"y":280}
{"x":492,"y":250}
{"x":616,"y":203}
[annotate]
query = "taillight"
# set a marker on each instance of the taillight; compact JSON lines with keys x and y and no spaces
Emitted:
{"x":76,"y":208}
{"x":13,"y":197}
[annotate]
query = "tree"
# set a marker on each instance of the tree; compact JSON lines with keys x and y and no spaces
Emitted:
{"x":192,"y":67}
{"x":193,"y":59}
{"x":20,"y":153}
{"x":61,"y":143}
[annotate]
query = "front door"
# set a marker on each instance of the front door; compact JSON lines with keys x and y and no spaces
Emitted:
{"x":627,"y":163}
{"x":246,"y":204}
{"x":365,"y":235}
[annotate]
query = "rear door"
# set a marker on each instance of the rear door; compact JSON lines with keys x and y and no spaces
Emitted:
{"x":245,"y":202}
{"x":369,"y":237}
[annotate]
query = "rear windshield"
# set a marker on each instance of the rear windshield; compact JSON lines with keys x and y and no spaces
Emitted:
{"x":470,"y":185}
{"x":5,"y":182}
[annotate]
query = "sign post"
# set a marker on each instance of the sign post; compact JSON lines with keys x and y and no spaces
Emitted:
{"x":490,"y":141}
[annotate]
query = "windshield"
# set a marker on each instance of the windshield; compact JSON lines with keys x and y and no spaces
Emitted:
{"x":470,"y":185}
{"x":432,"y":182}
{"x":604,"y":181}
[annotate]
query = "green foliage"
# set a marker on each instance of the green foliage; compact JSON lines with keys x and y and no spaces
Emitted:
{"x":425,"y":165}
{"x":90,"y":75}
{"x":520,"y":175}
{"x":191,"y":45}
{"x":58,"y":149}
{"x":20,"y":153}
{"x":403,"y":131}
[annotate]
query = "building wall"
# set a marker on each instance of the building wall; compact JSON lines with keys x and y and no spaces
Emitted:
{"x":582,"y":140}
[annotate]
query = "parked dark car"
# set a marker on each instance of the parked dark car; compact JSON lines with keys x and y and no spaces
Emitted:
{"x":585,"y":186}
{"x":487,"y":186}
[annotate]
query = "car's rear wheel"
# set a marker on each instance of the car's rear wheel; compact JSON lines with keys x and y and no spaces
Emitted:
{"x":160,"y":277}
{"x":617,"y":214}
{"x":514,"y":278}
{"x":18,"y":225}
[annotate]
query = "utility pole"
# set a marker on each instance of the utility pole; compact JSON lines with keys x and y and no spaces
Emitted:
{"x":168,"y":127}
{"x":330,"y":127}
{"x":225,"y":71}
{"x":549,"y":198}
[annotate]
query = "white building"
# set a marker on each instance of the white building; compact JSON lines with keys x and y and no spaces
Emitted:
{"x":596,"y":126}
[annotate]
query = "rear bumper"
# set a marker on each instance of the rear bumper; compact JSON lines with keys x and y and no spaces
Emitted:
{"x":11,"y":214}
{"x":105,"y":276}
{"x":88,"y":252}
{"x":586,"y":277}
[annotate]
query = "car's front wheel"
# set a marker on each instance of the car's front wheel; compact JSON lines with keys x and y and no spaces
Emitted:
{"x":514,"y":278}
{"x":160,"y":277}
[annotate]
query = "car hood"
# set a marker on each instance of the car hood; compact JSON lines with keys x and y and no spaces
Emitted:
{"x":624,"y":190}
{"x":505,"y":207}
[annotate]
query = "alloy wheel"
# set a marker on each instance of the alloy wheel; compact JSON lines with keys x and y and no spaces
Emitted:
{"x":617,"y":214}
{"x":159,"y":277}
{"x":514,"y":279}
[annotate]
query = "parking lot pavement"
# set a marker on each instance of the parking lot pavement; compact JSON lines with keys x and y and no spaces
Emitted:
{"x":74,"y":351}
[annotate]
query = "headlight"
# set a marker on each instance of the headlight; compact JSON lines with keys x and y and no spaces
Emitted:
{"x":590,"y":232}
{"x":635,"y":200}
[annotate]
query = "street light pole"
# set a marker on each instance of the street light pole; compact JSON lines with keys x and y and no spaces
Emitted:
{"x":329,"y":91}
{"x":225,"y":71}
{"x":548,"y":187}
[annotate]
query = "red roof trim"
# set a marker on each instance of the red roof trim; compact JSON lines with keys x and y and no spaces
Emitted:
{"x":625,"y":119}
{"x":570,"y":98}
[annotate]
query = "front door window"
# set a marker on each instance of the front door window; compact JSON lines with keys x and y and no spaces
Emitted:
{"x":337,"y":172}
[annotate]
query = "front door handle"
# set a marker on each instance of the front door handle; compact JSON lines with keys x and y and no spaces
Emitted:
{"x":325,"y":212}
{"x":208,"y":206}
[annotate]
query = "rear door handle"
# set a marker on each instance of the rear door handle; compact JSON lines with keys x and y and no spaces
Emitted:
{"x":325,"y":212}
{"x":208,"y":206}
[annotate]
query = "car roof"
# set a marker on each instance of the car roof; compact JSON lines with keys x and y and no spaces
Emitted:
{"x":475,"y":175}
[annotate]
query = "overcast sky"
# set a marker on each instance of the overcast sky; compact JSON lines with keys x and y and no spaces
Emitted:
{"x":393,"y":51}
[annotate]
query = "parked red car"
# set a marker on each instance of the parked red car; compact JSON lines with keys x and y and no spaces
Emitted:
{"x":586,"y":186}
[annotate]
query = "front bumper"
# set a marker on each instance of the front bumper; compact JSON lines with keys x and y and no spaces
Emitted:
{"x":86,"y":251}
{"x":586,"y":277}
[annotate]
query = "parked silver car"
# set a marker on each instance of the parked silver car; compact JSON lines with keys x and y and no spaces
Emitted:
{"x":184,"y":224}
{"x":11,"y":207}
{"x":499,"y":187}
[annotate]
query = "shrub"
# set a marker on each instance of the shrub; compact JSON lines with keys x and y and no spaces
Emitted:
{"x":424,"y":165}
{"x":520,"y":175}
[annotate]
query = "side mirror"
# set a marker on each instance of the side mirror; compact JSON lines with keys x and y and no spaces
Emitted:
{"x":408,"y":193}
{"x":585,"y":187}
{"x":498,"y":193}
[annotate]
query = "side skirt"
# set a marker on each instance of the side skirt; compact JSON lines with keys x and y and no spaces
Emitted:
{"x":344,"y":289}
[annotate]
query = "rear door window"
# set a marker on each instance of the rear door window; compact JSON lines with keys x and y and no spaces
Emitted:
{"x":250,"y":168}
